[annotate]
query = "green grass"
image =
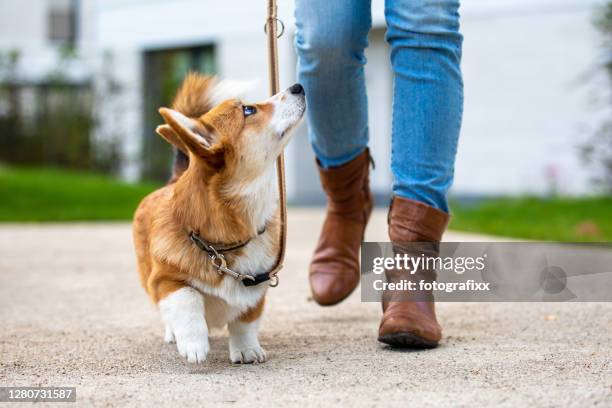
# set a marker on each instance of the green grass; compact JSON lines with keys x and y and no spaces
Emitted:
{"x":43,"y":194}
{"x":554,"y":219}
{"x":46,"y":194}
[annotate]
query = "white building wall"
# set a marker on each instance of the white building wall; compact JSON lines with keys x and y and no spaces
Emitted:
{"x":526,"y":103}
{"x":24,"y":27}
{"x":529,"y":86}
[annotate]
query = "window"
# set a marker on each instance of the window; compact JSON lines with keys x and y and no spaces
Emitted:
{"x":61,"y":20}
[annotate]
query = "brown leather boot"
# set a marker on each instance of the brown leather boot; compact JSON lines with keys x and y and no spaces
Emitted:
{"x":334,"y":270}
{"x":409,"y":318}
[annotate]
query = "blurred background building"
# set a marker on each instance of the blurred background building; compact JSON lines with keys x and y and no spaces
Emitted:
{"x":532,"y":86}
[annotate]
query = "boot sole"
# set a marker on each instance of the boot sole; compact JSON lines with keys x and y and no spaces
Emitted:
{"x":407,"y":341}
{"x":328,"y":304}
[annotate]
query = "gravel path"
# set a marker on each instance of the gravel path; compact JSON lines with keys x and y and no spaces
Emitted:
{"x":73,"y":314}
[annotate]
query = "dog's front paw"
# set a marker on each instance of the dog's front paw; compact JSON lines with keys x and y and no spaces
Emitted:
{"x":183,"y":314}
{"x":247,"y":354}
{"x":193,"y":347}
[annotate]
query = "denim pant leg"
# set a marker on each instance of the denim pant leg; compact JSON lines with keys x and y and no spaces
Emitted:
{"x":330,"y":41}
{"x":428,"y":97}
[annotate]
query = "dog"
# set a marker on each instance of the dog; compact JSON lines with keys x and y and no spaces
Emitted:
{"x":223,"y":195}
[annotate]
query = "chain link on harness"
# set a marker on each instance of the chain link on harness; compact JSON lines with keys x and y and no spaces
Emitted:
{"x":219,"y":262}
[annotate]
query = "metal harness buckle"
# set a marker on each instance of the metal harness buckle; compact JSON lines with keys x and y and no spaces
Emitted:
{"x":220,"y":263}
{"x":222,"y":268}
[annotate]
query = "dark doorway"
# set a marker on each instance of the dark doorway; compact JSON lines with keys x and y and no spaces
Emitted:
{"x":164,"y":72}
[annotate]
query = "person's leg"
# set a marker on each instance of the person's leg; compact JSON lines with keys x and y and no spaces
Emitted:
{"x":427,"y":107}
{"x":330,"y":41}
{"x":428,"y":97}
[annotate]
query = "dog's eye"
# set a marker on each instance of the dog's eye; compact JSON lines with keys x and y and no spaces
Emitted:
{"x":249,"y":110}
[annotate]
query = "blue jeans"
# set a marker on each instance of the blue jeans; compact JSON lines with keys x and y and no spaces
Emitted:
{"x":428,"y":88}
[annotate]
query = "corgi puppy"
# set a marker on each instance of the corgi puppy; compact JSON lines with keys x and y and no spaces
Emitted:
{"x":222,"y":194}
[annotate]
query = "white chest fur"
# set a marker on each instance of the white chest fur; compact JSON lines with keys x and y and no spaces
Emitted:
{"x":224,"y":303}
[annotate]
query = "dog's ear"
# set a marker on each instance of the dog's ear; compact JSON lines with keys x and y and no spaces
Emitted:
{"x":171,"y":137}
{"x":191,"y":134}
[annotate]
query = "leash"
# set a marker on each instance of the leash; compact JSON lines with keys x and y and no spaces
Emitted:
{"x":215,"y":252}
{"x":270,"y":28}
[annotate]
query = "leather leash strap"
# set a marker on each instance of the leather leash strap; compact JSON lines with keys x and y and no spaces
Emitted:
{"x":271,"y":30}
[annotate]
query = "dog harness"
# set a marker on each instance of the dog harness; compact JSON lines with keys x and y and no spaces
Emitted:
{"x":216,"y":255}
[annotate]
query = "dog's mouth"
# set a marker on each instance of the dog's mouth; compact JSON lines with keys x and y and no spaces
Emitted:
{"x":292,"y":116}
{"x":290,"y":128}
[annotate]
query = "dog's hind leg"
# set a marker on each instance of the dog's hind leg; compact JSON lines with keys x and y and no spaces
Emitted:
{"x":244,"y":345}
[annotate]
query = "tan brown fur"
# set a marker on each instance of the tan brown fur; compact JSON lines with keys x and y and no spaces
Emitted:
{"x":197,"y":201}
{"x":193,"y":97}
{"x":253,"y":313}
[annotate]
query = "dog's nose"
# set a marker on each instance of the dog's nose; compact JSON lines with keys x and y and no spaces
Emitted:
{"x":296,"y":89}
